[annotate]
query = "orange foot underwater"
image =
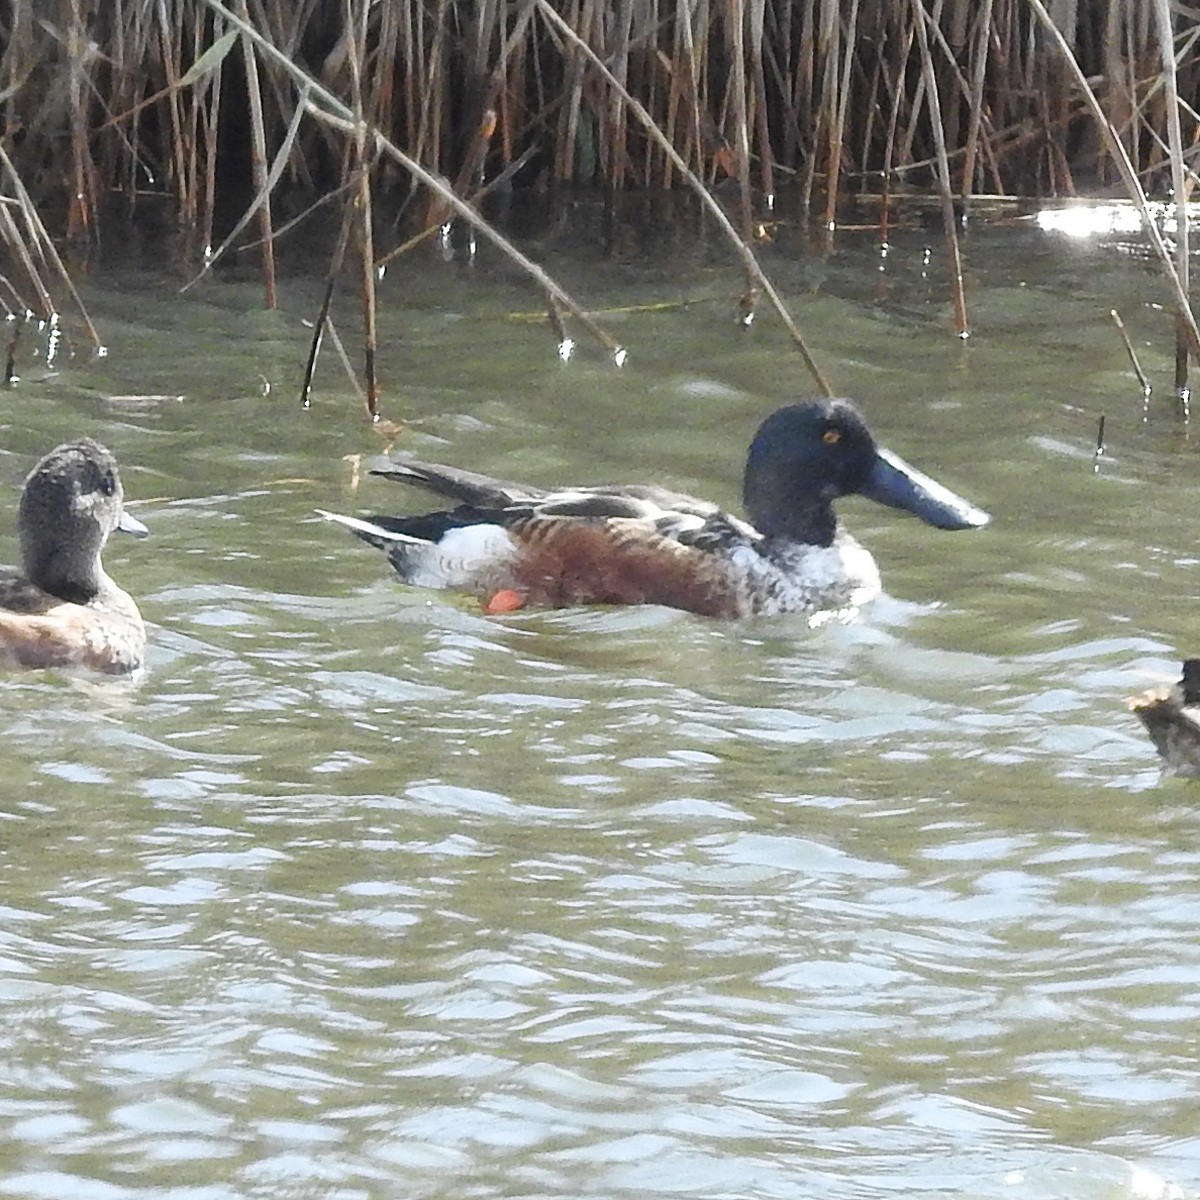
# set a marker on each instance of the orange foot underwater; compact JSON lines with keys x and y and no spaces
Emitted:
{"x":506,"y":600}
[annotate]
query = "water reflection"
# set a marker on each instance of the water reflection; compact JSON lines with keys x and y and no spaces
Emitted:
{"x":357,"y":890}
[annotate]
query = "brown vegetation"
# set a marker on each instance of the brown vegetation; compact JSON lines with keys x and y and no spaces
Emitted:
{"x":217,"y":104}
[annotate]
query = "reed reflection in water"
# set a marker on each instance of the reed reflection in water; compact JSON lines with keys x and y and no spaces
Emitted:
{"x":360,"y":893}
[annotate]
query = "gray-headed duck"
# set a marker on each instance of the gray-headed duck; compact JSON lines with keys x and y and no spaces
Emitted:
{"x":60,"y":609}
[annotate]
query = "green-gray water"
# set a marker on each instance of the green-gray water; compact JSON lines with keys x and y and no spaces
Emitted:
{"x":359,"y":893}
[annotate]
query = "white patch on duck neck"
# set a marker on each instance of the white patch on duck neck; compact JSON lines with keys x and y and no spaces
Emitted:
{"x":801,"y":578}
{"x":461,"y":557}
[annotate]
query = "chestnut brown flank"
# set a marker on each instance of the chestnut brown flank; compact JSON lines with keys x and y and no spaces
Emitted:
{"x":565,"y":563}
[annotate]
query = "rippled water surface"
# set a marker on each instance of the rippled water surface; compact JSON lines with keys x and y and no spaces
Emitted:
{"x":360,"y":893}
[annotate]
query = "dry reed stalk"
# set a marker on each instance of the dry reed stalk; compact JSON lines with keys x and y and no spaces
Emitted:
{"x":897,"y":91}
{"x":191,"y":183}
{"x":803,"y":74}
{"x":1133,"y":358}
{"x":258,"y":161}
{"x":1128,"y":174}
{"x":10,"y":357}
{"x":744,"y":251}
{"x":873,"y":109}
{"x":684,"y":94}
{"x":1098,"y":453}
{"x":322,"y":321}
{"x":983,"y":23}
{"x":1166,"y":39}
{"x":706,"y":141}
{"x":735,"y":30}
{"x":425,"y":234}
{"x":211,"y":126}
{"x":13,"y":238}
{"x":827,"y":48}
{"x":1120,"y":92}
{"x":356,"y":25}
{"x":344,"y":358}
{"x":756,"y":22}
{"x":568,"y":120}
{"x":262,"y":198}
{"x":81,"y":208}
{"x":838,"y":124}
{"x":336,"y":114}
{"x":967,"y":97}
{"x":491,"y":83}
{"x":34,"y":241}
{"x":916,"y":106}
{"x":949,"y":221}
{"x":621,"y":16}
{"x":170,"y":56}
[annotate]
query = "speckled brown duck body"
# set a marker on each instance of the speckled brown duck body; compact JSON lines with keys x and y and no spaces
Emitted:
{"x":1171,"y":715}
{"x":60,"y":608}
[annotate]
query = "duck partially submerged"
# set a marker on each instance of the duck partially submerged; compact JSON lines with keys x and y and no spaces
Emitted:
{"x":513,"y":545}
{"x":61,"y":609}
{"x":1171,"y":715}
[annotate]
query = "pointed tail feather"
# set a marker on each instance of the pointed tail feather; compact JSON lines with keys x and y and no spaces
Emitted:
{"x":375,"y":535}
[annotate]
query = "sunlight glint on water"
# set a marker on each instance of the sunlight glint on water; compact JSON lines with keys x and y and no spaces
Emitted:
{"x":361,"y":893}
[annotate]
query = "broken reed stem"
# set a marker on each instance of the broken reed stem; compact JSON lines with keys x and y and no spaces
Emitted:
{"x":744,"y":251}
{"x":314,"y":346}
{"x":1098,"y":454}
{"x":10,"y":358}
{"x":1129,"y":176}
{"x":949,"y":221}
{"x":347,"y":366}
{"x":1133,"y":358}
{"x":335,"y":266}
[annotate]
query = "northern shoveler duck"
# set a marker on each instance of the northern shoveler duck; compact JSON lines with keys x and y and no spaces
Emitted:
{"x":1171,"y":715}
{"x":62,"y":610}
{"x":514,"y":545}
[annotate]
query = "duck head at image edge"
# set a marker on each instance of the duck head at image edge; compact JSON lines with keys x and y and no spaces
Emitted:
{"x":513,"y":545}
{"x":1171,"y":715}
{"x":60,"y":609}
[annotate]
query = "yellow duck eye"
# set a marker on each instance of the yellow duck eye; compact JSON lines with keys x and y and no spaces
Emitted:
{"x":831,"y":437}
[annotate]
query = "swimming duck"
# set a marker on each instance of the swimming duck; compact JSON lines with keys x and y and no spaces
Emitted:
{"x":62,"y":610}
{"x":1171,"y":715}
{"x":514,"y":545}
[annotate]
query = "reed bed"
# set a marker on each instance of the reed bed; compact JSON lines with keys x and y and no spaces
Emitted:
{"x":216,"y":106}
